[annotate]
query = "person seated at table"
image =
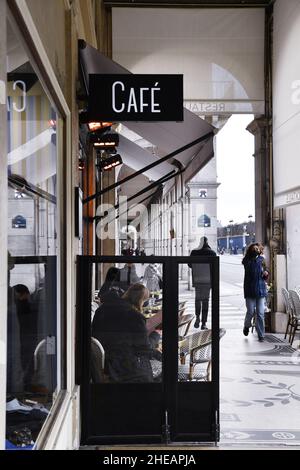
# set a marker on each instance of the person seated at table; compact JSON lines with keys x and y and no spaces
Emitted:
{"x":111,"y":284}
{"x":155,"y":339}
{"x":120,"y":327}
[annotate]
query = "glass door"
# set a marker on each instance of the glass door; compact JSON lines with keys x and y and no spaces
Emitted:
{"x":135,"y":340}
{"x":194,"y":380}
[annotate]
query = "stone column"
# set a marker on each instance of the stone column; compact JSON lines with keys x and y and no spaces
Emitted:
{"x":3,"y":232}
{"x":264,"y":199}
{"x":262,"y":181}
{"x":104,"y":40}
{"x":104,"y":28}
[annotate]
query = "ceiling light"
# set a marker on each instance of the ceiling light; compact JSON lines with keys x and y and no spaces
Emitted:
{"x":109,"y":162}
{"x":104,"y":144}
{"x":93,"y":125}
{"x":105,"y":140}
{"x":96,"y":126}
{"x":52,"y":123}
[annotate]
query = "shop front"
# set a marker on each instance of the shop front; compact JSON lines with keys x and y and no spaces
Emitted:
{"x":146,"y":375}
{"x":36,"y":290}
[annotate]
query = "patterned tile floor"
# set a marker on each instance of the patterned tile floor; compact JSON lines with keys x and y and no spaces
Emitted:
{"x":260,"y":382}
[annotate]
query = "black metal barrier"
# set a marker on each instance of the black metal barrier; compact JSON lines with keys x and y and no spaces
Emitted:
{"x":181,"y":404}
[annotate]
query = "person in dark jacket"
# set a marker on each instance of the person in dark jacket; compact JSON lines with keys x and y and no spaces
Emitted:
{"x":120,"y":327}
{"x":255,"y":290}
{"x":28,"y":318}
{"x":111,"y":283}
{"x":128,"y":276}
{"x":202,"y":282}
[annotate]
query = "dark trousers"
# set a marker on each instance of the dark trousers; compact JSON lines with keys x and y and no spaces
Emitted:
{"x":201,"y":301}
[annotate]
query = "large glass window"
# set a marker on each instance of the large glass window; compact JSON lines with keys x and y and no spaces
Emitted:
{"x":33,"y":369}
{"x":195,"y":325}
{"x":126,"y":324}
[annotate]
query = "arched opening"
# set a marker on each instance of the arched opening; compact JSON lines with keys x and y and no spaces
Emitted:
{"x":19,"y":222}
{"x":204,"y":221}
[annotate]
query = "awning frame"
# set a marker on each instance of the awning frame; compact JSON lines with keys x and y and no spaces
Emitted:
{"x":31,"y":190}
{"x":149,"y":167}
{"x":153,"y":185}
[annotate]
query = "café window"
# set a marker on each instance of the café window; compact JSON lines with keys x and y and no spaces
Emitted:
{"x":33,"y":326}
{"x":204,"y":221}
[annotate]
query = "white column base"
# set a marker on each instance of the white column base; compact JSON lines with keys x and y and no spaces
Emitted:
{"x":279,"y":322}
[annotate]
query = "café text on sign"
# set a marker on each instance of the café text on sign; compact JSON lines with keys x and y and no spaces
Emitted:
{"x":131,"y":97}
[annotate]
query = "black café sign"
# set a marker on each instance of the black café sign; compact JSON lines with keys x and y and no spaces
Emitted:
{"x":135,"y":97}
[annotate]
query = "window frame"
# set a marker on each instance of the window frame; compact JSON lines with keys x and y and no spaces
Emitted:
{"x":18,"y":15}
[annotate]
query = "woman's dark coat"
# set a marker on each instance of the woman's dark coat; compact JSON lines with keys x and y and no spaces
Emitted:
{"x":254,"y":284}
{"x":122,"y":332}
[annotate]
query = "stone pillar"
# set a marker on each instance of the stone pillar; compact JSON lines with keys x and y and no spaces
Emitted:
{"x":3,"y":232}
{"x":263,"y":196}
{"x":269,"y":224}
{"x":262,"y":181}
{"x":104,"y":28}
{"x":104,"y":40}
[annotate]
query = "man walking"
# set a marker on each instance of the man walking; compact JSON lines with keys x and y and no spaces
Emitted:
{"x":128,"y":276}
{"x":201,"y":275}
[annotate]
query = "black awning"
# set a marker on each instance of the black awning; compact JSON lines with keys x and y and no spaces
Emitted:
{"x":166,"y":137}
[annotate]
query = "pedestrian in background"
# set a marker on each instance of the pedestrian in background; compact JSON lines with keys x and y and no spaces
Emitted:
{"x":201,"y":275}
{"x":128,"y":276}
{"x":153,"y":278}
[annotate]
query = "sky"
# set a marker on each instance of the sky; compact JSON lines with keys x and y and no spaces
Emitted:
{"x":235,"y":170}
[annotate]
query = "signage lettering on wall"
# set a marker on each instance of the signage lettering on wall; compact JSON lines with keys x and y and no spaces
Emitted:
{"x":287,"y":199}
{"x":293,"y":197}
{"x":135,"y":97}
{"x":21,"y":106}
{"x":205,"y":107}
{"x":17,"y":104}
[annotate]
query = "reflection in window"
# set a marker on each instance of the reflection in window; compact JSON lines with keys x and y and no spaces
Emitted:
{"x":18,"y":194}
{"x":204,"y":221}
{"x":32,"y":366}
{"x":18,"y":222}
{"x":194,"y":346}
{"x":126,"y":343}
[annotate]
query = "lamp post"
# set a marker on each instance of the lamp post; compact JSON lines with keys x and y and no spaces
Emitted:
{"x":244,"y":237}
{"x":231,"y":235}
{"x":228,"y":235}
{"x":250,"y":231}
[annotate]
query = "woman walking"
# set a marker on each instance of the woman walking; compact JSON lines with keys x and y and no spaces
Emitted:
{"x":255,"y":290}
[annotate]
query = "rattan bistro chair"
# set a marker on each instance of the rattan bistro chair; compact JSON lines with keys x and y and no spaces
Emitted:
{"x":182,"y":305}
{"x":97,"y":362}
{"x":184,"y":323}
{"x":197,"y":348}
{"x":295,"y":305}
{"x":289,"y":311}
{"x":297,"y":289}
